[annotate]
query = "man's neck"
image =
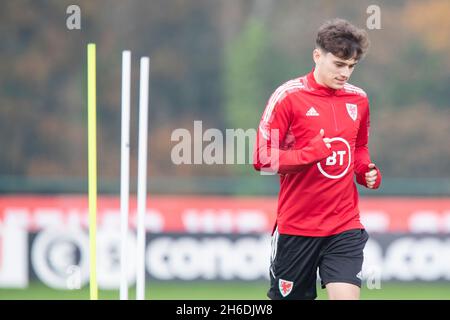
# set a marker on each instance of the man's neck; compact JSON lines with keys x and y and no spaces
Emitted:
{"x":317,"y":78}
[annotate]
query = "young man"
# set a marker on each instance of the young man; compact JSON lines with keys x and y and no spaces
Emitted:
{"x":314,"y":133}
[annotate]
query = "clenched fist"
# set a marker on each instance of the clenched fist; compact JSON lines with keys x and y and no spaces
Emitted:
{"x":371,"y":176}
{"x":327,"y":141}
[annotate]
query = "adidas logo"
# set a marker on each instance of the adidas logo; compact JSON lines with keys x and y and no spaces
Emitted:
{"x":312,"y":112}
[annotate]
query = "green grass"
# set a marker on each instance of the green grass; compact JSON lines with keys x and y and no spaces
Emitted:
{"x":225,"y":291}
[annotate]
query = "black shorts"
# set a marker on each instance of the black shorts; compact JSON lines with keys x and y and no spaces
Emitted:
{"x":295,"y":260}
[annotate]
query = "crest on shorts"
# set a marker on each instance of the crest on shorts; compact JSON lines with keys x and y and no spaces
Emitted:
{"x":285,"y":287}
{"x":352,"y":110}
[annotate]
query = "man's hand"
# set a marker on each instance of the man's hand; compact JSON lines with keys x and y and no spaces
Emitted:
{"x":371,"y":176}
{"x":325,"y":140}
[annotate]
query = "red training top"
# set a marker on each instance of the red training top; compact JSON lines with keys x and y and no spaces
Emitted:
{"x":318,"y":196}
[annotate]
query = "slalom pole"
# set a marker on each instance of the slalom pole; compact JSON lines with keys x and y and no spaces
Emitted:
{"x":92,"y":169}
{"x":125,"y":173}
{"x":142,"y":177}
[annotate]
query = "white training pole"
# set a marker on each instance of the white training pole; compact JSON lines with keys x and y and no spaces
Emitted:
{"x":142,"y":178}
{"x":125,"y":173}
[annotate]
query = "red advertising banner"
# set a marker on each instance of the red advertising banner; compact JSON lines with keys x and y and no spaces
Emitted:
{"x":195,"y":214}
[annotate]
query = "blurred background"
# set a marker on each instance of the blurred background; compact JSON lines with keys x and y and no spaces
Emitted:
{"x":215,"y":61}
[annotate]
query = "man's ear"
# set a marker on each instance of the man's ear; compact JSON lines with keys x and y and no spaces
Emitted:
{"x":316,"y":55}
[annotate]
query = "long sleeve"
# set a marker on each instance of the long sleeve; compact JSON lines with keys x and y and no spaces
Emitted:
{"x":362,"y":155}
{"x":272,"y":130}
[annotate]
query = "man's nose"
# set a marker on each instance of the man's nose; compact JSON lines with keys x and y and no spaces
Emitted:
{"x":346,"y":72}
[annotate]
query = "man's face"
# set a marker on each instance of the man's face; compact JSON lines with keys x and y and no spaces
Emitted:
{"x":332,"y":71}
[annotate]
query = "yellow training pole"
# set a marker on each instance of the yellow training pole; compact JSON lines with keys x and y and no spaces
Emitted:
{"x":92,"y":170}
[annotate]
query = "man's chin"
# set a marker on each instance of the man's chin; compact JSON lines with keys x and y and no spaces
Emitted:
{"x":337,"y":86}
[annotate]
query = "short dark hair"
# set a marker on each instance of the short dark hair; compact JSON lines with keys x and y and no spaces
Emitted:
{"x":342,"y":39}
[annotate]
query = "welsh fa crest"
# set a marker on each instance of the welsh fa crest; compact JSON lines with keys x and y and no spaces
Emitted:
{"x":285,"y":287}
{"x":352,"y":110}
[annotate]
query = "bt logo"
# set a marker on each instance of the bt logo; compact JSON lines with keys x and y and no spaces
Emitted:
{"x":336,"y":165}
{"x":331,"y":160}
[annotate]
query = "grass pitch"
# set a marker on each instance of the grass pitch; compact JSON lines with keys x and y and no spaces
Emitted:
{"x":226,"y":291}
